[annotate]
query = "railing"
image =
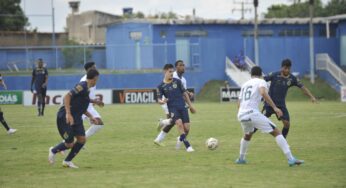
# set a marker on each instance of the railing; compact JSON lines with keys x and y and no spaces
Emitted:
{"x":324,"y":62}
{"x":249,"y":63}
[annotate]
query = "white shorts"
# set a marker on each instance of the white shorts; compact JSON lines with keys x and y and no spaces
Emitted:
{"x":92,"y":111}
{"x":250,"y":121}
{"x":165,"y":108}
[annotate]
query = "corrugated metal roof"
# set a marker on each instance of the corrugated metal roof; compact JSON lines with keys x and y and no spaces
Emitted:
{"x":316,"y":20}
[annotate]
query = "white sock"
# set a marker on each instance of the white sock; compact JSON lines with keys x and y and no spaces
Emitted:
{"x":166,"y":122}
{"x":160,"y":136}
{"x":92,"y":130}
{"x":281,"y":141}
{"x":243,"y":148}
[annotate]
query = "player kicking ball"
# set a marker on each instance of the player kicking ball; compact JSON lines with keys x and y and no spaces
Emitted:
{"x":250,"y":117}
{"x":175,"y":96}
{"x":69,"y":120}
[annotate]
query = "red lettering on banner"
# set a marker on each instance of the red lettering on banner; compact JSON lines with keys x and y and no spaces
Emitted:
{"x":122,"y":97}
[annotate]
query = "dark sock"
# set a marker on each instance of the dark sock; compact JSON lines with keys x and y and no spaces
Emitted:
{"x":60,"y":147}
{"x":183,"y":139}
{"x":2,"y":120}
{"x":5,"y":124}
{"x":42,"y":109}
{"x":285,"y":131}
{"x":74,"y":151}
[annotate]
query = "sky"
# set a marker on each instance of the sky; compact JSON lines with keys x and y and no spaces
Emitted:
{"x":39,"y":11}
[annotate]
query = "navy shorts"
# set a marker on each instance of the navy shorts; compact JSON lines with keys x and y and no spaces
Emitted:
{"x":68,"y":132}
{"x":179,"y":113}
{"x":268,"y":111}
{"x":41,"y":91}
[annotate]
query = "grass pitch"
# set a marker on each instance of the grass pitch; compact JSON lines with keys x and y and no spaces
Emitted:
{"x":123,"y":153}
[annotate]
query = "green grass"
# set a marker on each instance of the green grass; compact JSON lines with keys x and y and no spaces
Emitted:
{"x":211,"y":91}
{"x":123,"y":154}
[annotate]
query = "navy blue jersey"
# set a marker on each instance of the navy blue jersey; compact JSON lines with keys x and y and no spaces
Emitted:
{"x":279,"y":86}
{"x":174,"y":92}
{"x":79,"y":101}
{"x":40,"y":76}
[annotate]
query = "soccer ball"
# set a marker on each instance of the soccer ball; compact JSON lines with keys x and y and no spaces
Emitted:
{"x":212,"y":143}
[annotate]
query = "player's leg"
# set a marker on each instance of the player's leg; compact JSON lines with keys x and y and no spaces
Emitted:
{"x":182,"y":137}
{"x":39,"y":100}
{"x":4,"y":123}
{"x":79,"y":131}
{"x":266,"y":126}
{"x":43,"y":100}
{"x":268,"y":111}
{"x":285,"y":121}
{"x":66,"y":133}
{"x":94,"y":128}
{"x":161,"y":136}
{"x":248,"y":128}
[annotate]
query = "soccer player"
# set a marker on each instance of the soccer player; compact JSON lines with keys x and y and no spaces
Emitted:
{"x":40,"y":78}
{"x":166,"y":125}
{"x":280,"y":82}
{"x":99,"y":123}
{"x":2,"y":119}
{"x":175,"y":96}
{"x":70,"y":122}
{"x":250,"y":117}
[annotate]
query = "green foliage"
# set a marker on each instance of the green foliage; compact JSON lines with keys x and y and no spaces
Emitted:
{"x":122,"y":154}
{"x":13,"y":18}
{"x":301,"y":10}
{"x":210,"y":91}
{"x":74,"y":56}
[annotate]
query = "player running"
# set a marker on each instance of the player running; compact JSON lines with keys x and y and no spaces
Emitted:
{"x":98,"y":125}
{"x":280,"y":82}
{"x":164,"y":126}
{"x":2,"y":119}
{"x":250,"y":117}
{"x":69,"y":120}
{"x":175,"y":96}
{"x":40,"y":78}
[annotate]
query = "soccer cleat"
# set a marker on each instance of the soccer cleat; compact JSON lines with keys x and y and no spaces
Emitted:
{"x":159,"y":125}
{"x":240,"y":161}
{"x":69,"y":164}
{"x":190,"y":149}
{"x":159,"y":143}
{"x":178,"y":145}
{"x":11,"y":131}
{"x":295,"y":161}
{"x":51,"y":156}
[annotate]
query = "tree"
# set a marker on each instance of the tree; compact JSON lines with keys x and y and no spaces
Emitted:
{"x":335,"y":7}
{"x":300,"y":10}
{"x":12,"y":17}
{"x":74,"y":56}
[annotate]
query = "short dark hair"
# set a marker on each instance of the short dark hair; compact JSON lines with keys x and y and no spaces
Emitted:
{"x":177,"y":62}
{"x":168,"y":66}
{"x":256,"y":71}
{"x":91,"y":74}
{"x":88,"y":65}
{"x":286,"y":63}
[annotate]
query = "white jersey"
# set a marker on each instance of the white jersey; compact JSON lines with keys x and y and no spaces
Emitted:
{"x":250,"y":96}
{"x":92,"y":94}
{"x":182,"y":79}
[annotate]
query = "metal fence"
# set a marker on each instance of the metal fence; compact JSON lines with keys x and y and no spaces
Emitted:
{"x":111,"y":57}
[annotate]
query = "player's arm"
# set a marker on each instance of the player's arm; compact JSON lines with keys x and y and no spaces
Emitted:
{"x":160,"y":95}
{"x":67,"y":103}
{"x":32,"y":80}
{"x":97,"y":102}
{"x":91,"y":118}
{"x":268,"y":99}
{"x":268,"y":77}
{"x":45,"y":80}
{"x":188,"y":101}
{"x":307,"y":92}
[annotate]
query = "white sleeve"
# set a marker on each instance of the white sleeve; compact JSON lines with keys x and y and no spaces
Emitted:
{"x":263,"y":83}
{"x":83,"y":78}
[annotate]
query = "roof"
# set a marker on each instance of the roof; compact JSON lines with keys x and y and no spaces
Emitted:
{"x":316,"y":20}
